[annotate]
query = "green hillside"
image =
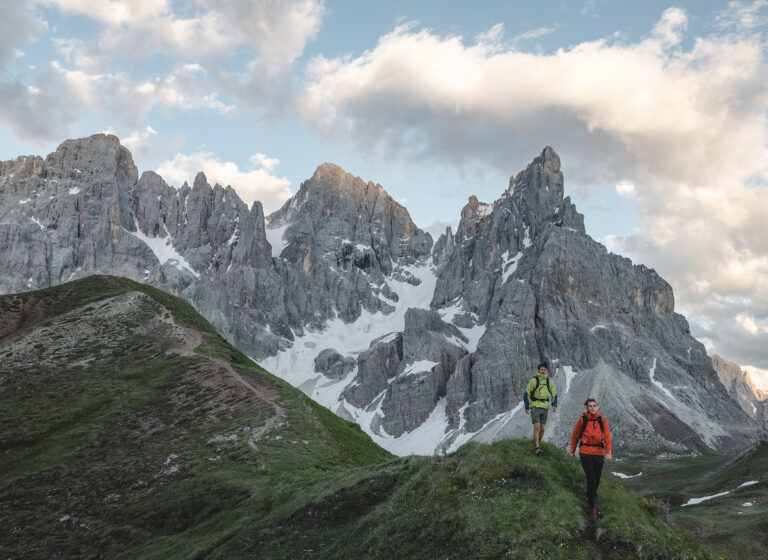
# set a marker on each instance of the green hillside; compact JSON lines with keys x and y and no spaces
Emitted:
{"x":130,"y":429}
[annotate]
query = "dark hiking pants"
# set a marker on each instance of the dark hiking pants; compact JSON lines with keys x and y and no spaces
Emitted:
{"x":593,"y":468}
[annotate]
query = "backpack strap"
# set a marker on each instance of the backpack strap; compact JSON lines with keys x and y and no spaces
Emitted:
{"x":584,"y":421}
{"x":538,"y":383}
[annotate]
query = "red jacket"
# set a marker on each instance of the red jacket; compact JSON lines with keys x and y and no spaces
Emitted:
{"x":593,"y":437}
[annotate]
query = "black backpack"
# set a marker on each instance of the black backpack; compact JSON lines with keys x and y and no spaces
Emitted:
{"x":584,"y":421}
{"x":538,"y":383}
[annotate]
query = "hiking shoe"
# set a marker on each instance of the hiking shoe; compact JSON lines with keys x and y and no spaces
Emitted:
{"x":538,"y":451}
{"x":593,"y":513}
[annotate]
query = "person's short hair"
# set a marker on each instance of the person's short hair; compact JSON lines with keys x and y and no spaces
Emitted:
{"x":589,"y":400}
{"x":542,"y":364}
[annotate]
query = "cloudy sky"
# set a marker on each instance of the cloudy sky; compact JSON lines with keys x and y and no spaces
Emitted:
{"x":658,"y":112}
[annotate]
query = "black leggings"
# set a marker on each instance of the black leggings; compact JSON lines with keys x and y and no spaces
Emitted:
{"x":593,"y":468}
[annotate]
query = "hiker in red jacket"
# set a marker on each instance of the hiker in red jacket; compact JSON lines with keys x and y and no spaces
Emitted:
{"x":594,"y":439}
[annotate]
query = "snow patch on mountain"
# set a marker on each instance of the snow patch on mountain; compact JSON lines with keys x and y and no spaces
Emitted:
{"x":495,"y":424}
{"x":652,"y":374}
{"x":569,"y":375}
{"x":508,"y":266}
{"x":163,"y":249}
{"x":622,"y":475}
{"x":276,"y":239}
{"x":296,"y":364}
{"x":418,"y":367}
{"x":694,"y":501}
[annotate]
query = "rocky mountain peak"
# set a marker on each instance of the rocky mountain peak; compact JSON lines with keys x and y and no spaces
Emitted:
{"x":345,"y":207}
{"x":538,"y":194}
{"x":542,"y":174}
{"x":739,"y":384}
{"x":472,"y":216}
{"x":101,"y":152}
{"x":332,"y":173}
{"x":331,"y":176}
{"x":201,"y":182}
{"x":549,"y":159}
{"x":741,"y":388}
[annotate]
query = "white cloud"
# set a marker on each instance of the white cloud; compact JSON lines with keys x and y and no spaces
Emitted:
{"x":625,"y":188}
{"x":114,"y":12}
{"x":535,"y":33}
{"x":759,"y":376}
{"x":145,"y":144}
{"x":438,"y":227}
{"x":267,"y":163}
{"x":18,"y":26}
{"x":669,"y":30}
{"x":255,"y":184}
{"x":686,"y":127}
{"x":744,"y":15}
{"x":191,"y":48}
{"x":117,"y":94}
{"x":611,"y":243}
{"x":39,"y":109}
{"x":139,"y":137}
{"x":277,"y":29}
{"x":749,"y":325}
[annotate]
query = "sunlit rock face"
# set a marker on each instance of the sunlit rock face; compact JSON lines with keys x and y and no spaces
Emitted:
{"x":742,"y":389}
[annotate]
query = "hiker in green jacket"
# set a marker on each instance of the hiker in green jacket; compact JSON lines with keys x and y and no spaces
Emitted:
{"x":536,"y":399}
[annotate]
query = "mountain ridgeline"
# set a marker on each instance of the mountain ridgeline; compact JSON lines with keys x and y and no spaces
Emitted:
{"x":426,"y":345}
{"x":130,"y":429}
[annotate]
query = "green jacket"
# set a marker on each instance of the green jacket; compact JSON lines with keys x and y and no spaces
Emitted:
{"x":546,"y":388}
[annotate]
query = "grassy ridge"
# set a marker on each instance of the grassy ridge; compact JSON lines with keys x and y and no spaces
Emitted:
{"x":484,"y":501}
{"x":113,"y":455}
{"x":112,"y":445}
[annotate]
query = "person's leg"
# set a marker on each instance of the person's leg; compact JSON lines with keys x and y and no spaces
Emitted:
{"x":597,"y":470}
{"x":536,"y":434}
{"x":589,"y":472}
{"x":539,"y":419}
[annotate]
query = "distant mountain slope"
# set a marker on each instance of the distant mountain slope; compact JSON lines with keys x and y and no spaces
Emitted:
{"x":721,"y":500}
{"x":130,"y":429}
{"x":742,"y":389}
{"x":425,"y":345}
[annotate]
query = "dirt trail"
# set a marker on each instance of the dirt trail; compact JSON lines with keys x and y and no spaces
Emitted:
{"x":192,"y":339}
{"x":264,"y":394}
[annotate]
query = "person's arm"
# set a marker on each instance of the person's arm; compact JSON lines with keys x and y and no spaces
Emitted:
{"x":527,"y":397}
{"x":607,"y":440}
{"x":575,"y":436}
{"x":554,"y":397}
